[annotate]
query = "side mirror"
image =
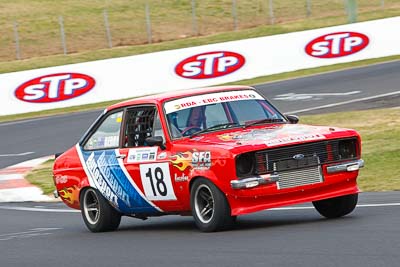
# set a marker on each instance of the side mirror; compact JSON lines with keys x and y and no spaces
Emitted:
{"x":155,"y":141}
{"x":293,"y":119}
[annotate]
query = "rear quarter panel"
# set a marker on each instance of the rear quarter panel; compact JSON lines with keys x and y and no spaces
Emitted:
{"x":69,"y":177}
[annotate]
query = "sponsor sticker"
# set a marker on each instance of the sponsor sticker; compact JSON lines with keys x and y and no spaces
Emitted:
{"x":210,"y":65}
{"x":337,"y":44}
{"x":109,"y":175}
{"x":191,"y":160}
{"x":105,"y":180}
{"x":201,"y":160}
{"x":276,"y":135}
{"x":61,"y":179}
{"x":206,"y":99}
{"x":181,"y":178}
{"x":55,"y":87}
{"x":162,"y":155}
{"x":293,"y":139}
{"x":142,"y":154}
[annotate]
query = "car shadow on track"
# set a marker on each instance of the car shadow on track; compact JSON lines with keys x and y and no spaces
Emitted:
{"x":247,"y":222}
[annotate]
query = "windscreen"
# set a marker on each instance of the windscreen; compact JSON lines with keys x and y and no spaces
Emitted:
{"x":188,"y":115}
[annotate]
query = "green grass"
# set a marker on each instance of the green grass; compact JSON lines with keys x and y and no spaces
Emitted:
{"x":380,"y":132}
{"x":42,"y":177}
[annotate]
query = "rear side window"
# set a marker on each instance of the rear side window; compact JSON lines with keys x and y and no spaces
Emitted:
{"x":108,"y":133}
{"x":139,"y":125}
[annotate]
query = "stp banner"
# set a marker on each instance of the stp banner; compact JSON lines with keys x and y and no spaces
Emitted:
{"x":133,"y":76}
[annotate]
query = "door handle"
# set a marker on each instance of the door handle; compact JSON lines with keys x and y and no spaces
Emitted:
{"x":122,"y":156}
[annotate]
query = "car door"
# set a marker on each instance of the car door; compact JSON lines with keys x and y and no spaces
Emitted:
{"x":105,"y":169}
{"x":148,"y":166}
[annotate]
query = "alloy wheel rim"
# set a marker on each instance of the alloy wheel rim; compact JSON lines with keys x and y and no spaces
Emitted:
{"x":91,"y":206}
{"x":204,"y":203}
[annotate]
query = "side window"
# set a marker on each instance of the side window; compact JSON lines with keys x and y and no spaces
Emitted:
{"x":107,"y":135}
{"x":139,"y":125}
{"x":158,"y":131}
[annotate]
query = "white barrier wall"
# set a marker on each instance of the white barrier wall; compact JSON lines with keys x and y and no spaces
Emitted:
{"x":110,"y":79}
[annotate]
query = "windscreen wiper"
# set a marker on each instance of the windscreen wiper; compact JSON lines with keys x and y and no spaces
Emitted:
{"x":221,"y":125}
{"x":268,"y":120}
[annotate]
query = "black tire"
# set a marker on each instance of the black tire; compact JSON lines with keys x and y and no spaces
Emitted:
{"x":336,"y":207}
{"x":97,"y":213}
{"x":216,"y":215}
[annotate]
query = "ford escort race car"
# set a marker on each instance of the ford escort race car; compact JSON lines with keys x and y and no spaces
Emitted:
{"x":215,"y":153}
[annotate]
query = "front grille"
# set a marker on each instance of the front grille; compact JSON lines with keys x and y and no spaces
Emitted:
{"x":282,"y":159}
{"x":304,"y":176}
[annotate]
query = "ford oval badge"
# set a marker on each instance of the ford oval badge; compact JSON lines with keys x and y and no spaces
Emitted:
{"x":298,"y":156}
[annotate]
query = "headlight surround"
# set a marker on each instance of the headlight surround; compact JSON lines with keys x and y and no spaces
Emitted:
{"x":245,"y":164}
{"x":347,"y":149}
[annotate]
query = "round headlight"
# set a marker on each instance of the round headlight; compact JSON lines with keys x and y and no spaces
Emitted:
{"x":244,"y":164}
{"x":347,"y":149}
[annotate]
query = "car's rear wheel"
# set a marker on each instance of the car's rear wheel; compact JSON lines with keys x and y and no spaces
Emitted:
{"x":336,"y":207}
{"x":210,"y":208}
{"x":97,"y":213}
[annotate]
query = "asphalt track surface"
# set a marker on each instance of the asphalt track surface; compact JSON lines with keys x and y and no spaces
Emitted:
{"x":297,"y":237}
{"x":43,"y":234}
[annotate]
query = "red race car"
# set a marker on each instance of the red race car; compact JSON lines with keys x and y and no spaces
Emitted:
{"x":215,"y":153}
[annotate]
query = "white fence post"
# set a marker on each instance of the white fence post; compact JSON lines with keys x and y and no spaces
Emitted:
{"x":195,"y":28}
{"x":107,"y":26}
{"x":234,"y":15}
{"x":16,"y":36}
{"x":148,"y":23}
{"x":271,"y":12}
{"x":308,"y":8}
{"x":62,"y":33}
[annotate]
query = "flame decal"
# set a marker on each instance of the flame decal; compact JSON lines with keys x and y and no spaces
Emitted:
{"x":182,"y":161}
{"x":226,"y":137}
{"x":70,"y":194}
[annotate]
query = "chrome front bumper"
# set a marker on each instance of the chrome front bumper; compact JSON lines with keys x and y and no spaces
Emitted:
{"x":273,"y":178}
{"x":254,"y":181}
{"x":348,"y":166}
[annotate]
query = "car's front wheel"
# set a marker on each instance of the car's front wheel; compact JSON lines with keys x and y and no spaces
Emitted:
{"x":336,"y":207}
{"x":210,"y":208}
{"x":97,"y":213}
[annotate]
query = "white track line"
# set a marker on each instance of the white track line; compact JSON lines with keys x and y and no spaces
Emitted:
{"x":13,"y":176}
{"x":16,"y":155}
{"x":38,"y":209}
{"x":344,"y":102}
{"x":36,"y":230}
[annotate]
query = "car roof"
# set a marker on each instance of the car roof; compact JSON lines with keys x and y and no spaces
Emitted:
{"x":163,"y":97}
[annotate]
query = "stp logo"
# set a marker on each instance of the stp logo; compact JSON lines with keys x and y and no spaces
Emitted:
{"x":210,"y":65}
{"x":55,"y":87}
{"x":338,"y":44}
